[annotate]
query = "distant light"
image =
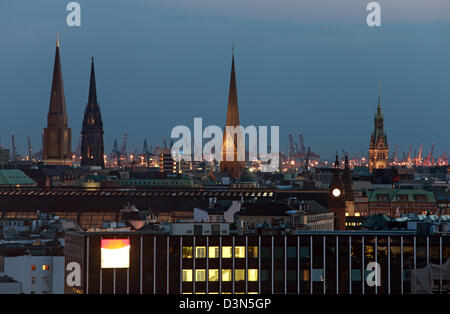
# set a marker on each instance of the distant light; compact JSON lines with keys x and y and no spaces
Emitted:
{"x":336,"y":192}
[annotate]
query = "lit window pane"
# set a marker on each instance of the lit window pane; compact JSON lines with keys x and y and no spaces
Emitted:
{"x":239,"y":275}
{"x":239,"y":251}
{"x":200,"y":252}
{"x":200,"y":275}
{"x":213,"y":275}
{"x":187,"y":275}
{"x":253,"y":252}
{"x":253,"y":275}
{"x":213,"y":252}
{"x":187,"y":251}
{"x":227,"y":251}
{"x":226,"y":274}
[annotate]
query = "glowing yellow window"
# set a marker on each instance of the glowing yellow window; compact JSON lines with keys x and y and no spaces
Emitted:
{"x":239,"y":251}
{"x":200,"y":275}
{"x":226,"y":274}
{"x":213,"y":252}
{"x":253,"y":252}
{"x":227,"y":251}
{"x":213,"y":275}
{"x":253,"y":275}
{"x":187,"y":275}
{"x":200,"y":252}
{"x":45,"y":267}
{"x":239,"y":274}
{"x":187,"y":251}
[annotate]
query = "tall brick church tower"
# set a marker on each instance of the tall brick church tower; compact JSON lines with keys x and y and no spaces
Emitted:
{"x":92,"y":131}
{"x":57,"y":134}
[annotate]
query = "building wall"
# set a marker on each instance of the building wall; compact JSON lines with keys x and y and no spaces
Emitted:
{"x":10,"y":287}
{"x":34,"y":277}
{"x":322,"y":222}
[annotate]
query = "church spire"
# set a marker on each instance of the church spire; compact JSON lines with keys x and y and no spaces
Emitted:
{"x":233,"y":110}
{"x":92,"y":149}
{"x":57,"y":99}
{"x":57,"y":134}
{"x":379,"y":100}
{"x":92,"y":88}
{"x":235,"y":142}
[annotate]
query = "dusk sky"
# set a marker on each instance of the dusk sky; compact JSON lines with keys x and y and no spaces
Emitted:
{"x":311,"y":67}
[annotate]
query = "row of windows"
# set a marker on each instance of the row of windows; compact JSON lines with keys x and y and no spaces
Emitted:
{"x":239,"y":252}
{"x":213,"y":275}
{"x":45,"y":280}
{"x":211,"y":292}
{"x":44,"y":267}
{"x":214,"y":252}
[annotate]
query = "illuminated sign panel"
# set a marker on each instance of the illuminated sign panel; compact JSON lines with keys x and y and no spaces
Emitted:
{"x":115,"y":253}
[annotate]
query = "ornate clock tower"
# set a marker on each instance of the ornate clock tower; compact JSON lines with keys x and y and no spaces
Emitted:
{"x":337,"y":198}
{"x":378,"y":150}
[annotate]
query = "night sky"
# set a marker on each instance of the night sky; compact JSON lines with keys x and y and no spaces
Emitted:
{"x":311,"y":67}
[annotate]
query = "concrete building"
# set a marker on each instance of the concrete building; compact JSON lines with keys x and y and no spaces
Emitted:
{"x":39,"y":268}
{"x":395,"y":202}
{"x":9,"y":286}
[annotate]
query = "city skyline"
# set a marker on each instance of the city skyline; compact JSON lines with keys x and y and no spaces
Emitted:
{"x":199,"y":87}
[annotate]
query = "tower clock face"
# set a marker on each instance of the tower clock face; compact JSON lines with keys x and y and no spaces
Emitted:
{"x":336,"y":192}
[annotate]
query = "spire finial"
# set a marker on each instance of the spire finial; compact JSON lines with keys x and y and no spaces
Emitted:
{"x":57,"y":39}
{"x":379,"y":95}
{"x":232,"y":47}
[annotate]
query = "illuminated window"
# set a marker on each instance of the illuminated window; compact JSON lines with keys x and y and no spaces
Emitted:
{"x":253,"y":275}
{"x":45,"y":267}
{"x":239,"y":275}
{"x":253,"y":251}
{"x":187,"y":251}
{"x":213,"y":275}
{"x":227,"y":251}
{"x":187,"y":275}
{"x":200,"y":275}
{"x":200,"y":252}
{"x":213,"y":252}
{"x":226,"y":274}
{"x":33,"y":267}
{"x":239,"y":251}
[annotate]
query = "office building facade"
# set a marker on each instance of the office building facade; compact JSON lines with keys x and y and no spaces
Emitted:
{"x":307,"y":263}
